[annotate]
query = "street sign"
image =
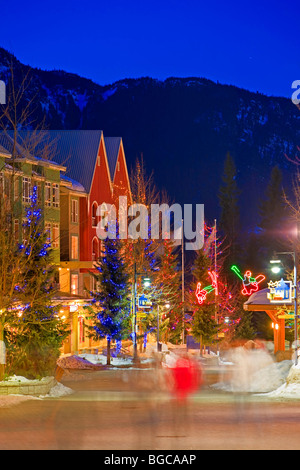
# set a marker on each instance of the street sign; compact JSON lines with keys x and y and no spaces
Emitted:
{"x":142,"y":314}
{"x":144,"y":302}
{"x":280,"y":292}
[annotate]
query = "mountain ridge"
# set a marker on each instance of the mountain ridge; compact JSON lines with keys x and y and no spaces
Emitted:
{"x":183,"y":127}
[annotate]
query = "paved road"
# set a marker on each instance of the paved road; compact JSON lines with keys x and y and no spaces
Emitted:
{"x":113,"y":410}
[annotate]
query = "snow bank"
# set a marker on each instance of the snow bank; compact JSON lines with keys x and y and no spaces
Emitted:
{"x":271,"y":377}
{"x":286,"y":391}
{"x":100,"y":359}
{"x":291,"y":388}
{"x":59,"y":390}
{"x":254,"y":371}
{"x":92,"y":361}
{"x":6,"y":401}
{"x":78,"y":362}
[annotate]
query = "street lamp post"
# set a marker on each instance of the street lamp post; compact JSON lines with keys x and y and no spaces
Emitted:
{"x":147,"y":283}
{"x":134,"y":317}
{"x":295,"y":307}
{"x":294,"y":255}
{"x":158,"y":343}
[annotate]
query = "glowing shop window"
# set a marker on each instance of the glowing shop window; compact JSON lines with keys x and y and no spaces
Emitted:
{"x":74,"y":284}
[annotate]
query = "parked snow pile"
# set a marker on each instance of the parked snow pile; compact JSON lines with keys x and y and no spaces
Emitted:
{"x":76,"y":362}
{"x":254,"y":371}
{"x":291,"y":388}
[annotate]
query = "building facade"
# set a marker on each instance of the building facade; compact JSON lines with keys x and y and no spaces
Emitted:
{"x":86,"y":170}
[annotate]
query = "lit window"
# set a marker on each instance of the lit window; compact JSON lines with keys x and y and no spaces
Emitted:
{"x":74,"y":211}
{"x":55,"y":195}
{"x":95,"y":249}
{"x":94,"y":214}
{"x":74,"y":284}
{"x":48,"y":194}
{"x":74,"y":247}
{"x":55,"y":235}
{"x":26,"y":189}
{"x":81,"y":329}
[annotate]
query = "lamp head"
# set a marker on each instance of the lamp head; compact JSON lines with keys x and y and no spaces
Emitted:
{"x":276,"y":266}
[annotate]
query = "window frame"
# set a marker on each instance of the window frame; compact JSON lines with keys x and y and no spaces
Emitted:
{"x":72,"y":276}
{"x":74,"y":211}
{"x":26,"y":184}
{"x":55,"y":195}
{"x":55,"y":240}
{"x":74,"y":236}
{"x":48,"y":194}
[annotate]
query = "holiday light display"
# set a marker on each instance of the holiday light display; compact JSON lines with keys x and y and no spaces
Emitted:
{"x":202,"y":293}
{"x":250,"y":283}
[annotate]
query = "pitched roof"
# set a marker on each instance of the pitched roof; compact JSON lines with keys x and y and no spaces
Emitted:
{"x":4,"y":152}
{"x":29,"y":146}
{"x":77,"y":150}
{"x":7,"y":143}
{"x":112,"y":146}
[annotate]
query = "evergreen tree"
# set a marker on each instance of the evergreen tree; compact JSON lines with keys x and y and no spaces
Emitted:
{"x":245,"y":329}
{"x":204,"y":327}
{"x":111,"y":301}
{"x":37,"y":335}
{"x":230,"y":216}
{"x":272,"y":206}
{"x":204,"y":324}
{"x":272,"y":214}
{"x":167,"y":288}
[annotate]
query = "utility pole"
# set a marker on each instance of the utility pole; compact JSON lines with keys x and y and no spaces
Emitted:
{"x":296,"y":307}
{"x":158,"y":343}
{"x":216,"y":267}
{"x":135,"y":355}
{"x":182,"y":281}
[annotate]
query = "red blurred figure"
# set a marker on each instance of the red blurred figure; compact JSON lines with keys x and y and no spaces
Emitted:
{"x":186,"y":378}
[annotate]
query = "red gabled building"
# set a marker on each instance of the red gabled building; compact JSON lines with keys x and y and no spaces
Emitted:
{"x":99,"y":166}
{"x":96,"y":173}
{"x":118,"y":169}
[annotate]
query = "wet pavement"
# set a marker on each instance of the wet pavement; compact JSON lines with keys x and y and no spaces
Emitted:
{"x":125,"y":409}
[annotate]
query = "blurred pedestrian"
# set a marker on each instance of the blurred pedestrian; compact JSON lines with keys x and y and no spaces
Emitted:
{"x":2,"y":359}
{"x":186,"y":376}
{"x":185,"y":379}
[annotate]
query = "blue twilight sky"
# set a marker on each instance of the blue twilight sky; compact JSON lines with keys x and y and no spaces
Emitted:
{"x":254,"y":45}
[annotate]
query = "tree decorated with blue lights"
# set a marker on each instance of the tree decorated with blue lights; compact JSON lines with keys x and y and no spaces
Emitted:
{"x":111,"y":301}
{"x":37,"y":335}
